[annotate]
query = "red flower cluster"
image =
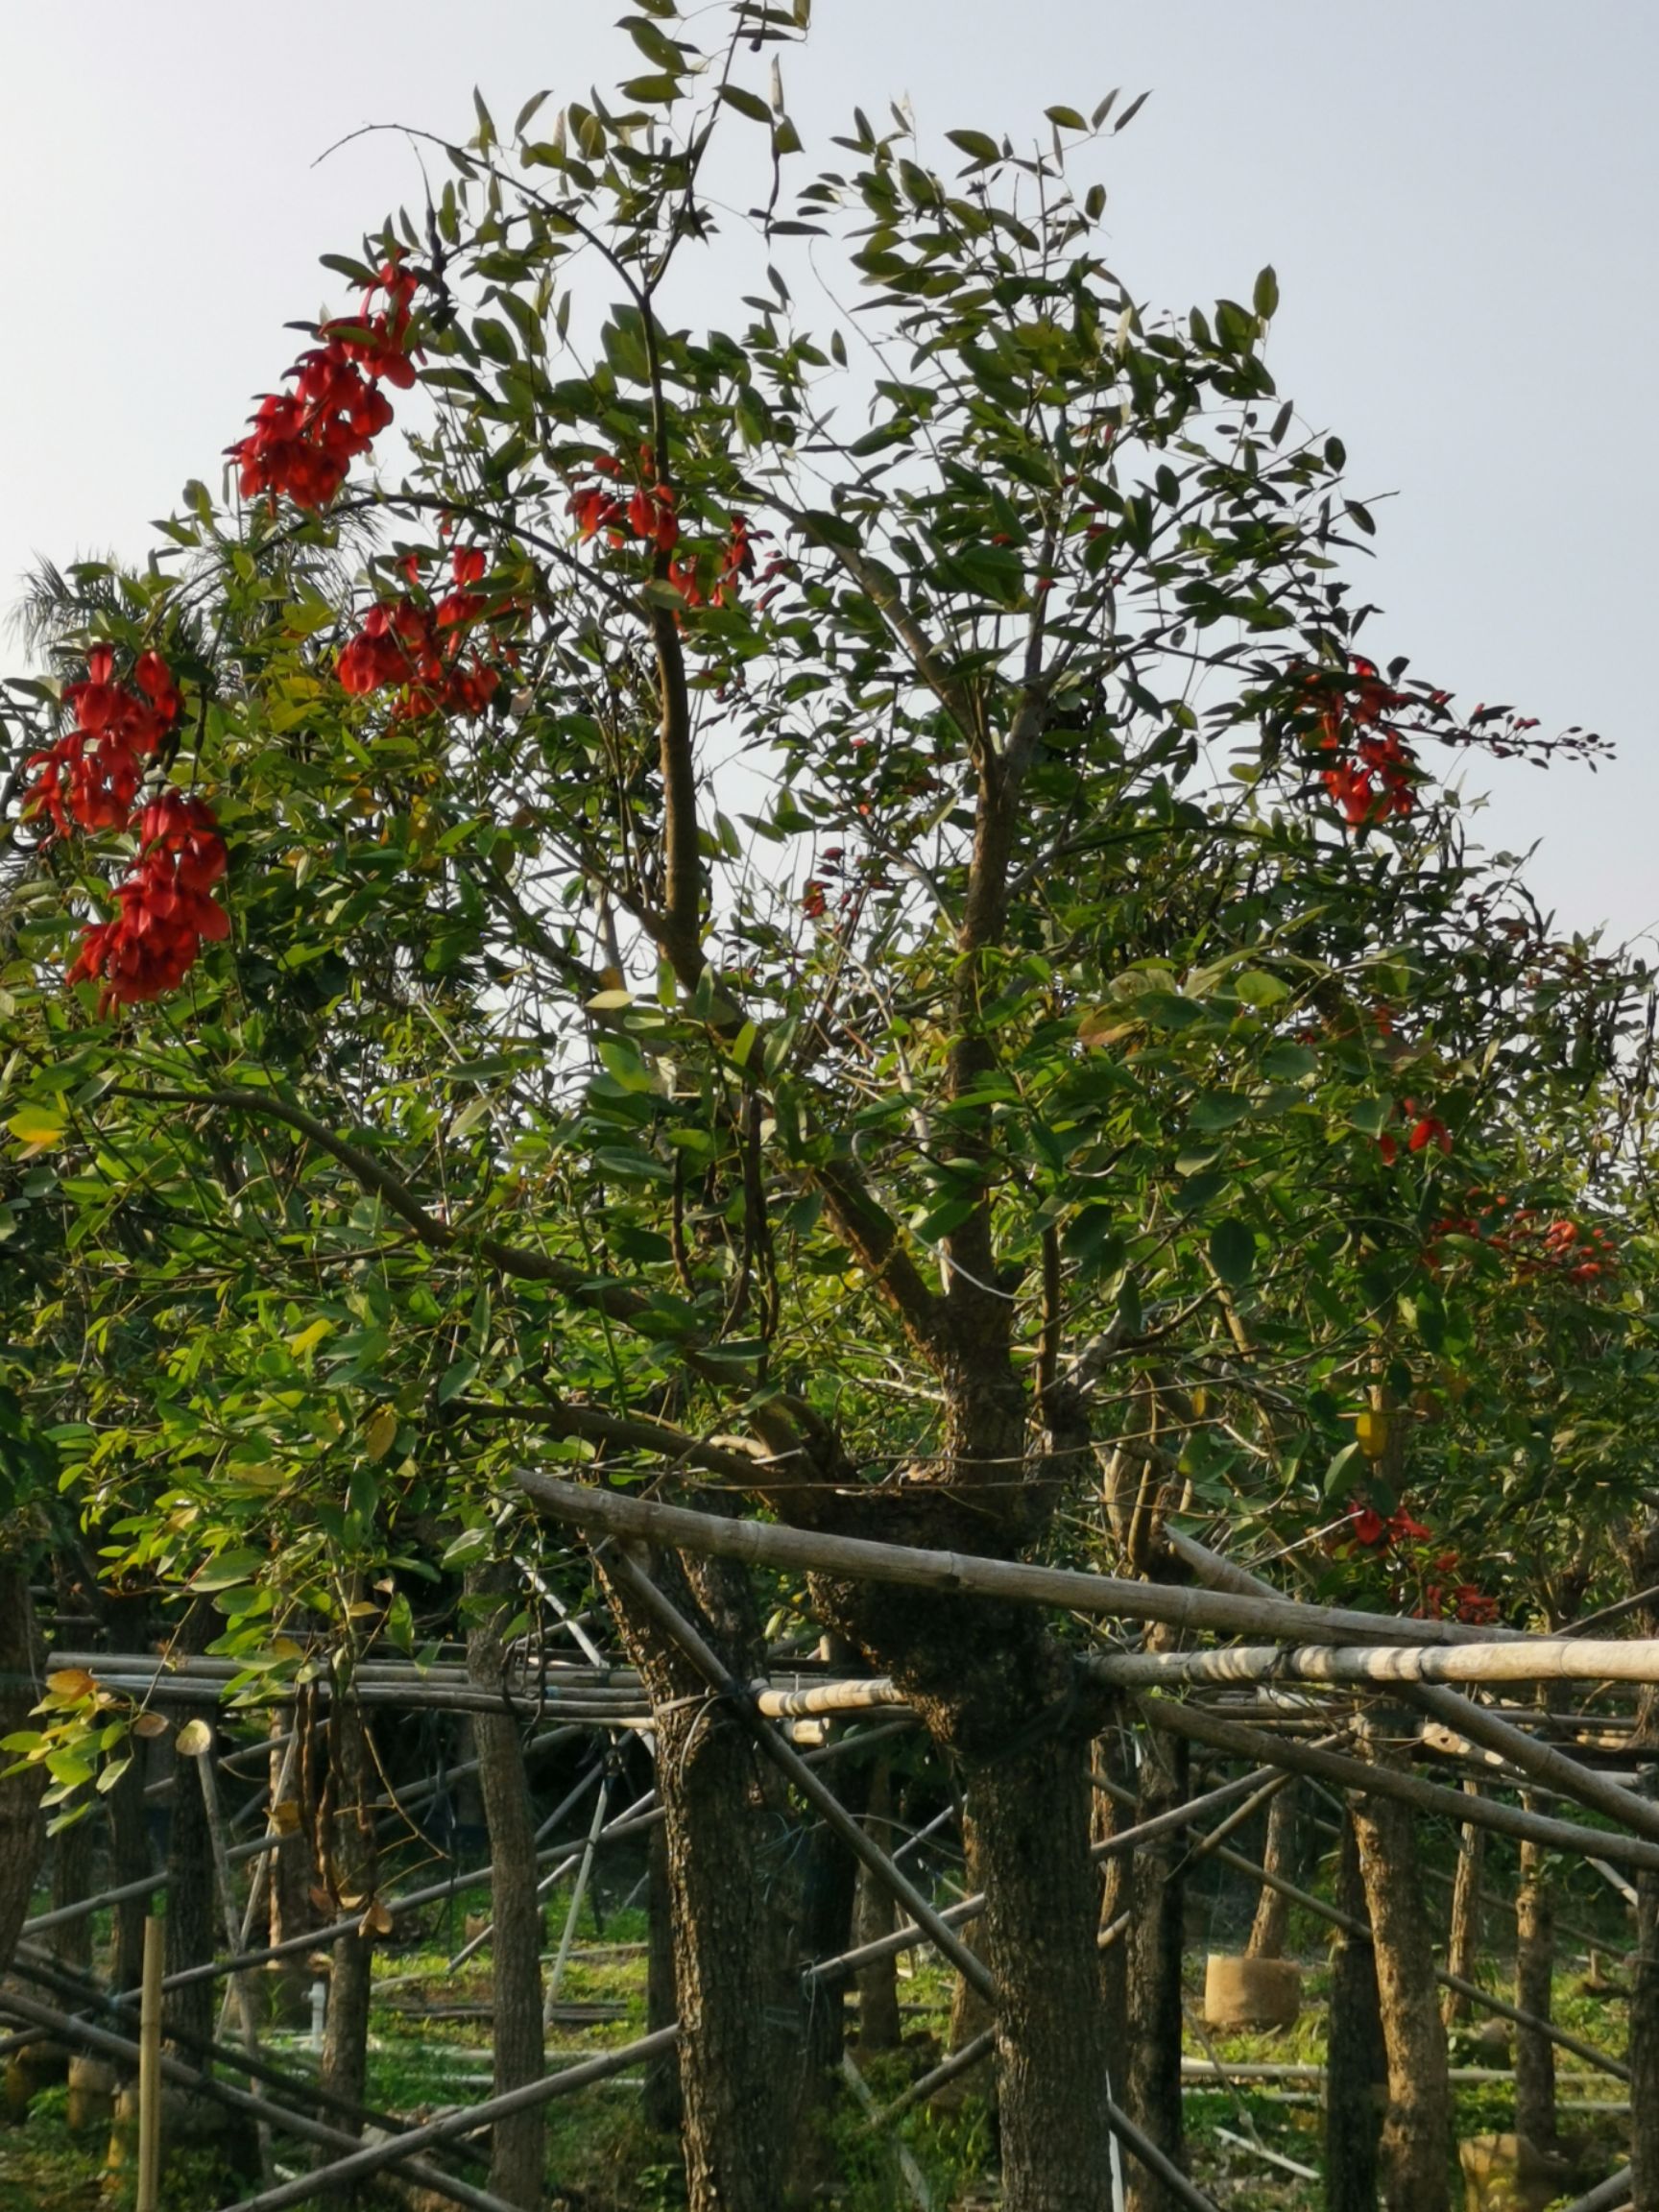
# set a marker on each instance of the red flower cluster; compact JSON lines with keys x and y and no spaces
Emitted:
{"x":420,"y":647}
{"x":89,"y":779}
{"x":1379,"y":779}
{"x":1426,"y":1129}
{"x":648,"y":512}
{"x":304,"y":442}
{"x":165,"y":909}
{"x":1454,"y":1593}
{"x":1370,"y":1529}
{"x":1562,"y":1247}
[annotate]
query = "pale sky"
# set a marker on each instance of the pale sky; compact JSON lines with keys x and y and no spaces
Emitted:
{"x":1459,"y":196}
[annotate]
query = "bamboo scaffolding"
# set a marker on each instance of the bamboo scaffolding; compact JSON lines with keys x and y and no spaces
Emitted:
{"x":400,"y":2151}
{"x":1540,"y":1659}
{"x":972,"y":1969}
{"x":1253,"y":1743}
{"x":765,"y":1544}
{"x":374,"y":2157}
{"x":77,"y":1989}
{"x":966,"y":1909}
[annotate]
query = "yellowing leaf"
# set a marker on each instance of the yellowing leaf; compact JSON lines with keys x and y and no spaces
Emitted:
{"x":380,"y":1432}
{"x":150,"y":1724}
{"x":1371,"y":1429}
{"x":71,"y":1682}
{"x":608,"y":1001}
{"x":308,"y":1338}
{"x":285,"y":1817}
{"x":38,"y":1126}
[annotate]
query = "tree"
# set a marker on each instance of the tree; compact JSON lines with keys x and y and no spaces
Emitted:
{"x":851,"y":934}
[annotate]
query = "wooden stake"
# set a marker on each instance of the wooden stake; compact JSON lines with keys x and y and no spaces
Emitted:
{"x":149,"y":2190}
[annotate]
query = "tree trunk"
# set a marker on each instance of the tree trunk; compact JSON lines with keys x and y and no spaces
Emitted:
{"x":738,"y":2005}
{"x":192,"y":1921}
{"x":346,"y":1849}
{"x":290,"y":1908}
{"x":1268,"y":1928}
{"x":517,"y":2144}
{"x":1114,"y":1756}
{"x":1001,"y":1699}
{"x":1355,"y":2062}
{"x":22,"y":1832}
{"x":72,"y":1857}
{"x":970,"y":2013}
{"x":664,"y":2108}
{"x":1416,"y":2147}
{"x":1645,"y":2046}
{"x":872,"y":1917}
{"x":130,"y":1856}
{"x":1463,"y":1947}
{"x":1534,"y":1982}
{"x":1156,"y":1891}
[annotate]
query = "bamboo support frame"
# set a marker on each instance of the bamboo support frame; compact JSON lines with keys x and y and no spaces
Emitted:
{"x":401,"y":2150}
{"x":967,"y":1964}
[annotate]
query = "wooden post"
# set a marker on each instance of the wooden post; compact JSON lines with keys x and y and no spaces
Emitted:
{"x":195,"y":1741}
{"x":149,"y":2192}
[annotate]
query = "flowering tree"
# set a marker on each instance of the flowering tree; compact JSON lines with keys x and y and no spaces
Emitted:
{"x":841,"y":919}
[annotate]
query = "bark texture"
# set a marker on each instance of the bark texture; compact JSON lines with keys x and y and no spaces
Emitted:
{"x":1000,"y":1699}
{"x":664,"y":2108}
{"x":517,"y":2144}
{"x":872,"y":1917}
{"x":1463,"y":1945}
{"x":723,"y":1828}
{"x":1272,"y":1921}
{"x":1357,"y":2063}
{"x":1416,"y":2146}
{"x":345,"y":1847}
{"x":1152,"y":2085}
{"x":22,"y":1831}
{"x":192,"y":1918}
{"x":1534,"y":1978}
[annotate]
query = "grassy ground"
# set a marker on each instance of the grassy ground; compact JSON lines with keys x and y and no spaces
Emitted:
{"x":430,"y":2049}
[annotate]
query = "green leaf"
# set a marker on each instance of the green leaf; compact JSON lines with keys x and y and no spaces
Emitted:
{"x":1265,"y":296}
{"x":1257,"y":988}
{"x":979,"y":148}
{"x":746,"y":103}
{"x":240,"y":1566}
{"x":1233,"y":1253}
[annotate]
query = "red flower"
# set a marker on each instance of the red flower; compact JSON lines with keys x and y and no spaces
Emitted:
{"x":165,"y":911}
{"x":1428,"y":1129}
{"x":812,"y":899}
{"x":303,"y":443}
{"x":1368,"y":1525}
{"x":1388,"y":1148}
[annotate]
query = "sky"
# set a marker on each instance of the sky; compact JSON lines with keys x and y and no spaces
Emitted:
{"x":1460,"y":200}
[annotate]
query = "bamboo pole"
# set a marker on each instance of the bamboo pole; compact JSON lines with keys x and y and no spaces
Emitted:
{"x":148,"y":2190}
{"x":1540,"y":1659}
{"x":972,"y":1969}
{"x":401,"y":2150}
{"x":219,"y":1843}
{"x":1253,"y":1743}
{"x":47,"y":1974}
{"x":765,"y":1544}
{"x":970,"y":1908}
{"x":372,"y":2158}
